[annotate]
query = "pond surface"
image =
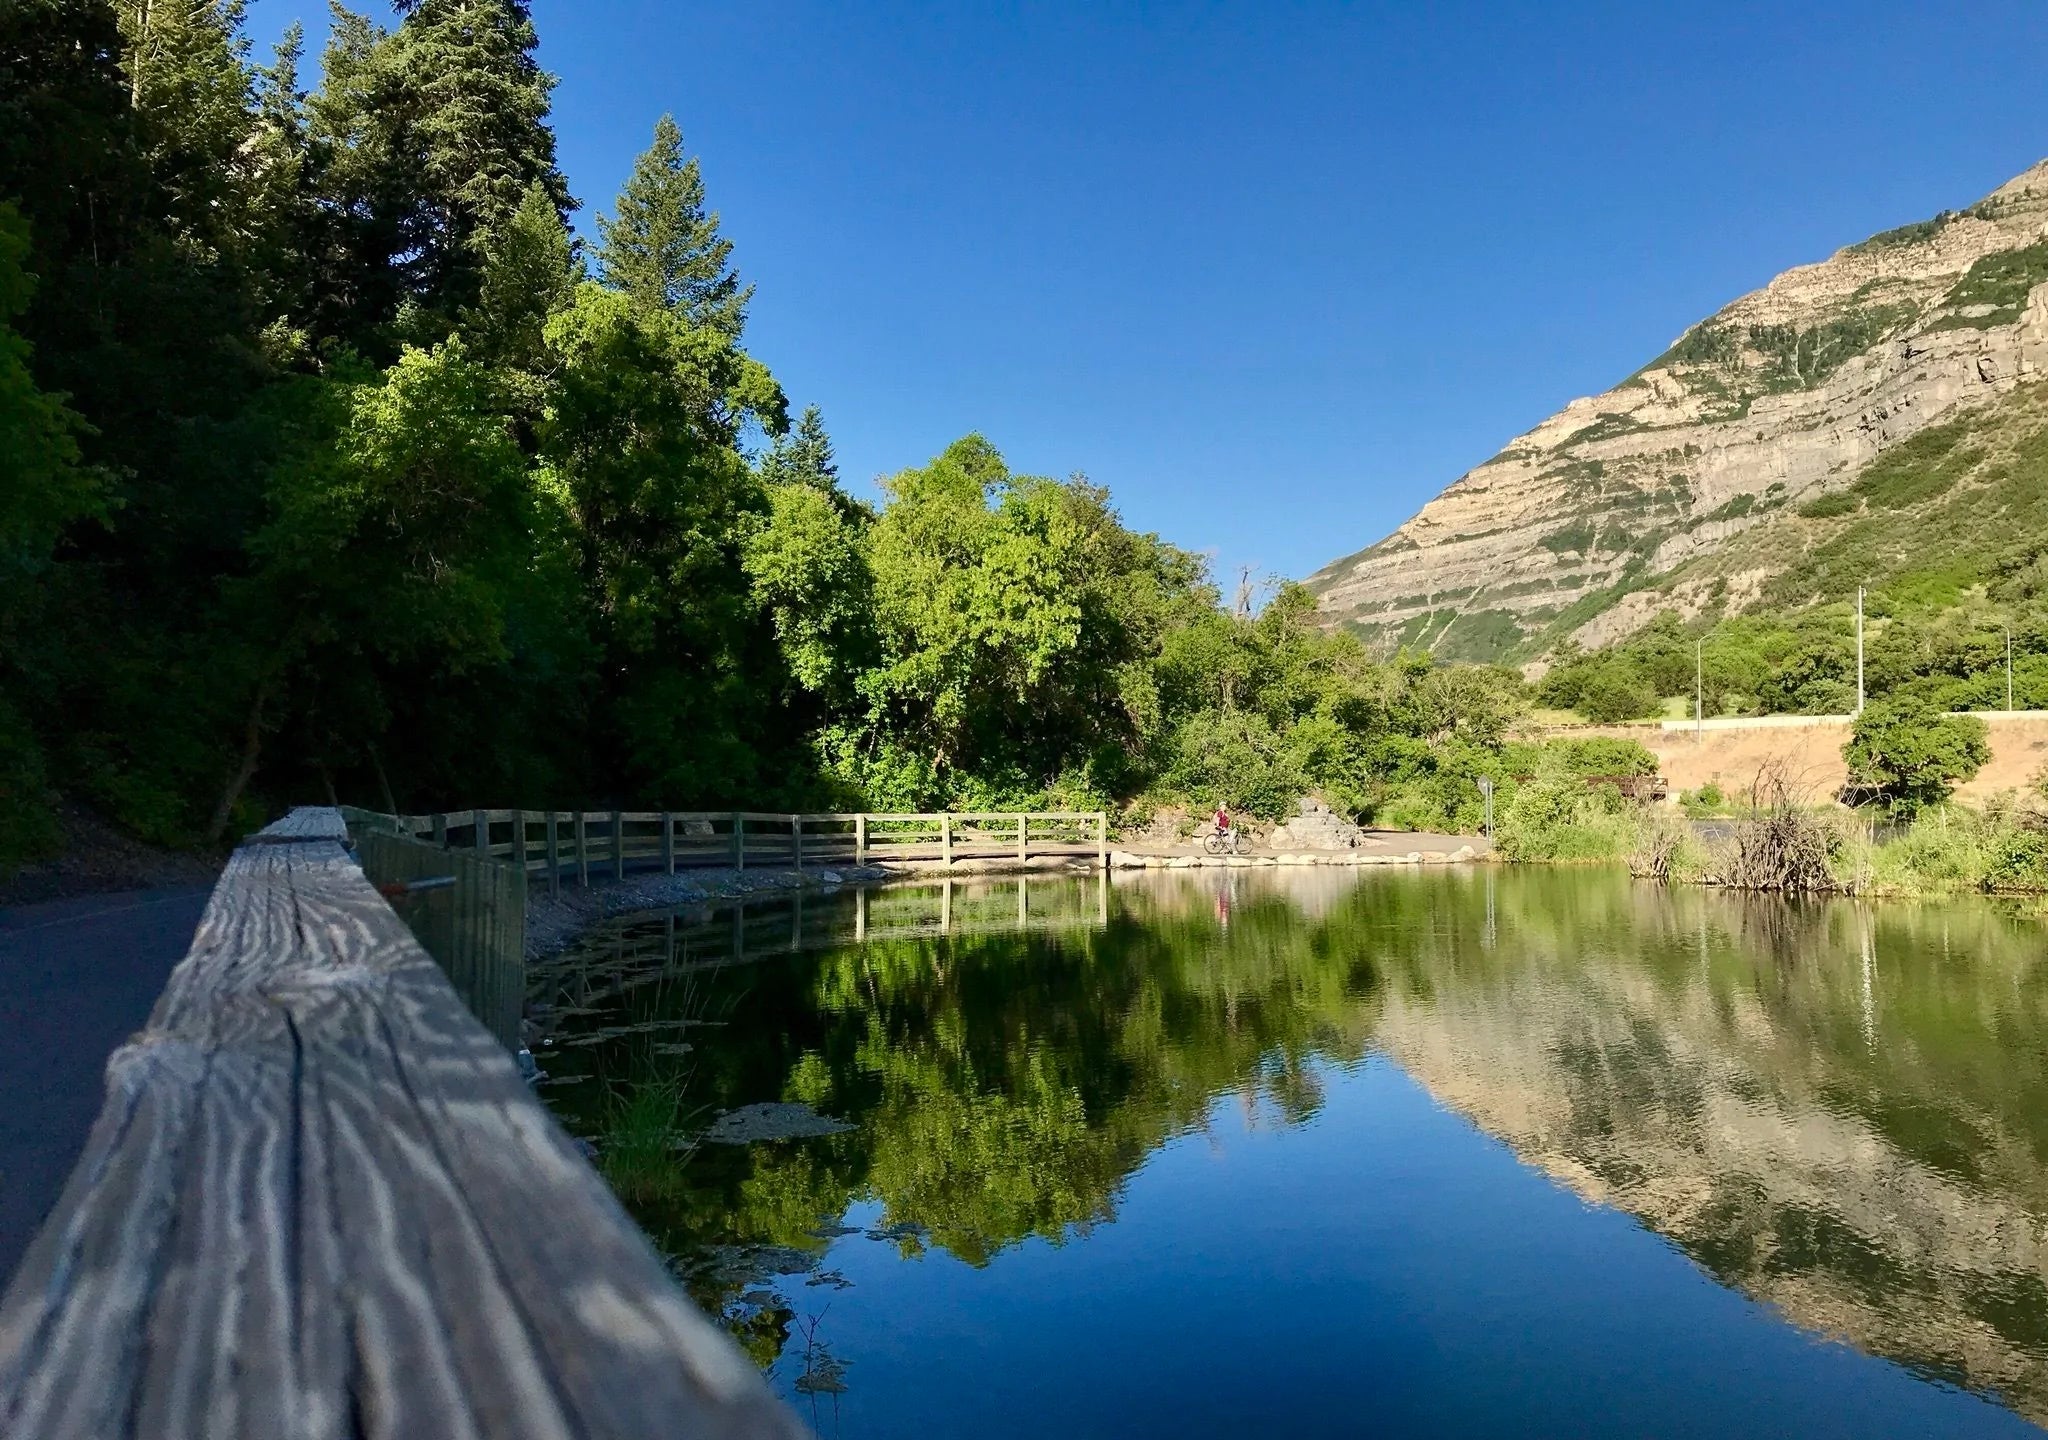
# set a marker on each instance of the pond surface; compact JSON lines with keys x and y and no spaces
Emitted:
{"x":1464,"y":1152}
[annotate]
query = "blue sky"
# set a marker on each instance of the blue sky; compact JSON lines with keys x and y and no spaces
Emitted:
{"x":1274,"y":273}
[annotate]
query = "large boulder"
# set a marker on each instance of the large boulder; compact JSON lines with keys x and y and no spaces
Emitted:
{"x":1316,"y":828}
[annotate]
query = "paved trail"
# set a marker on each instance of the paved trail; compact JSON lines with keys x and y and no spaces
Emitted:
{"x":77,"y":977}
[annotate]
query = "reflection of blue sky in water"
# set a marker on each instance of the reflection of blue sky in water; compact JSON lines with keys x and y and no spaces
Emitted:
{"x":1381,"y":1270}
{"x":1835,"y":1113}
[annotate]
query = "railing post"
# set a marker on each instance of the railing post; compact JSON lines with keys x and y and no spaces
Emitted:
{"x":483,"y":831}
{"x":796,"y":840}
{"x":1023,"y":838}
{"x":554,"y":856}
{"x":519,"y":840}
{"x":946,"y":839}
{"x":739,"y":841}
{"x":668,"y":841}
{"x":860,"y":839}
{"x":441,"y":831}
{"x":583,"y":849}
{"x":618,"y":844}
{"x":1102,"y":839}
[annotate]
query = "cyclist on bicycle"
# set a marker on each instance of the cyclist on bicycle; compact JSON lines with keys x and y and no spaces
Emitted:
{"x":1223,"y":818}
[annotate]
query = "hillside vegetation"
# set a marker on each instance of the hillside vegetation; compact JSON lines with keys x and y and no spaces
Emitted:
{"x":1948,"y":534}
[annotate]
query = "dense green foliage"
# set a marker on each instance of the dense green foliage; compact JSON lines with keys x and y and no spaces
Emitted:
{"x":338,"y":467}
{"x":1909,"y":754}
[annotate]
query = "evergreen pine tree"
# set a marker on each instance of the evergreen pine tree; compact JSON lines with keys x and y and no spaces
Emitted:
{"x":803,"y":456}
{"x":189,"y":83}
{"x":529,"y":273}
{"x":436,"y":131}
{"x":663,"y":249}
{"x":288,"y":229}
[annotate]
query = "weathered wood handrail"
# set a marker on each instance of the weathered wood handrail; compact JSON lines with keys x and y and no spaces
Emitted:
{"x":551,"y":843}
{"x":321,"y":1203}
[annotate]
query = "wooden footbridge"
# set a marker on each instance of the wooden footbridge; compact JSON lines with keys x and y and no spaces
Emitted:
{"x":554,"y":845}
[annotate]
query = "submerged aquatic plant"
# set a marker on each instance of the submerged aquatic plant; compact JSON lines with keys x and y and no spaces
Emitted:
{"x":644,"y":1137}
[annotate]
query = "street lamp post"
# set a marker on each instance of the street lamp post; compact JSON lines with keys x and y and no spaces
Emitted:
{"x":1859,"y":649}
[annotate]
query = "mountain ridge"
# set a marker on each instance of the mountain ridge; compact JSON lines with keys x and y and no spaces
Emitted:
{"x":1780,"y":397}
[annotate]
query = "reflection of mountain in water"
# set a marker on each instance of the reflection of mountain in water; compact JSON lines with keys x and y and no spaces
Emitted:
{"x":1841,"y":1111}
{"x":1836,"y":1109}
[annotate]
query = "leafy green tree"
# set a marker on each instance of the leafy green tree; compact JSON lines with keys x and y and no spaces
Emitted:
{"x":663,"y":248}
{"x":398,"y":533}
{"x":810,"y":573}
{"x":1910,"y":754}
{"x":639,"y":449}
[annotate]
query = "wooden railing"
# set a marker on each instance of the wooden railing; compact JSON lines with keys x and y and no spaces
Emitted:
{"x":468,"y":911}
{"x":320,"y":1202}
{"x":557,"y":843}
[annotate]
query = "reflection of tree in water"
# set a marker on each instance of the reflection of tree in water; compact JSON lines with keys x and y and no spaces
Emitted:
{"x":1840,"y":1109}
{"x":1004,"y":1086}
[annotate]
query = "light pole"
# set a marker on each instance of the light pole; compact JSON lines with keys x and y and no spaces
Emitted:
{"x":1699,"y":689}
{"x":1859,"y":649}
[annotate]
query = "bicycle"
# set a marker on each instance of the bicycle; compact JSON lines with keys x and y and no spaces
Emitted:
{"x":1226,"y":842}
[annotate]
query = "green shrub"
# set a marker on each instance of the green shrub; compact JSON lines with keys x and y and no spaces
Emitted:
{"x":1707,"y":800}
{"x":28,"y":825}
{"x":1602,"y":755}
{"x":2016,"y":858}
{"x":1613,"y":693}
{"x":1554,"y":816}
{"x":1827,"y":507}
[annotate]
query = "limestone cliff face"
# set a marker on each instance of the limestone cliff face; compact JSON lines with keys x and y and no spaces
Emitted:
{"x":1781,"y":396}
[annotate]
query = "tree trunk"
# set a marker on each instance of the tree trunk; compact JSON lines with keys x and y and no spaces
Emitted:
{"x":252,"y":749}
{"x":383,"y":782}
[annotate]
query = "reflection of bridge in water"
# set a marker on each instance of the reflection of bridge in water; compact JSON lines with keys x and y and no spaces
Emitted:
{"x":675,"y":945}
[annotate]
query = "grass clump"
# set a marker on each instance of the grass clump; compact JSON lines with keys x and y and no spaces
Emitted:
{"x":643,"y":1138}
{"x":2000,"y":849}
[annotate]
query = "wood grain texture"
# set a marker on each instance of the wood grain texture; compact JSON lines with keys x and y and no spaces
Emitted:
{"x":320,"y":1202}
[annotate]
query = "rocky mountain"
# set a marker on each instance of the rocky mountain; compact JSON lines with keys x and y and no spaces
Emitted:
{"x":1614,"y":508}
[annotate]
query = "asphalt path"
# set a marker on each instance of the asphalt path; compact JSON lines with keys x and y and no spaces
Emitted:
{"x":77,"y":977}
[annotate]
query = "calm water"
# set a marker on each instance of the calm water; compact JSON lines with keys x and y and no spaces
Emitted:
{"x":1242,"y":1152}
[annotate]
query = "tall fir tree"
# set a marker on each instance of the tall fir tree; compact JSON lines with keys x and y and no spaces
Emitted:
{"x":803,"y":456}
{"x":436,"y":131}
{"x":189,"y":83}
{"x":663,"y":249}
